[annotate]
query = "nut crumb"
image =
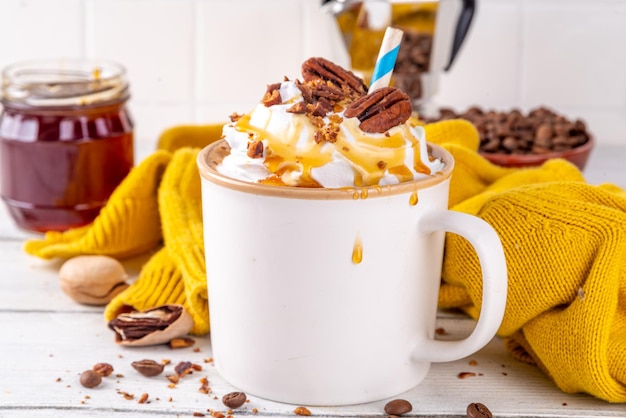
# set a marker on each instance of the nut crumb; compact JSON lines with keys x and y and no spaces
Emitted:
{"x":204,"y":388}
{"x":183,"y":368}
{"x":473,"y":363}
{"x":181,"y":342}
{"x":302,"y":410}
{"x":127,"y":396}
{"x":143,"y":398}
{"x":234,"y":117}
{"x":255,"y":149}
{"x":464,"y":375}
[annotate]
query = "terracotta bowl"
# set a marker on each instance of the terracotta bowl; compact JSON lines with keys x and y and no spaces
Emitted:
{"x":577,"y":156}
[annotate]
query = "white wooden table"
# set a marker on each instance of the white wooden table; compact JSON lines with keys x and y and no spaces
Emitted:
{"x":46,"y":341}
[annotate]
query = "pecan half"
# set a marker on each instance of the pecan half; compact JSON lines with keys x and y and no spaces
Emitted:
{"x":381,"y":109}
{"x":322,"y":69}
{"x":154,"y":326}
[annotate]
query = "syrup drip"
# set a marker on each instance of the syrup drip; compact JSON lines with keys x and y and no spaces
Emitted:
{"x":413,"y":199}
{"x":357,"y":251}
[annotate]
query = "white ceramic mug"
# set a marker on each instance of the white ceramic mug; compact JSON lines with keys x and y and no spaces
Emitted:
{"x":329,"y":296}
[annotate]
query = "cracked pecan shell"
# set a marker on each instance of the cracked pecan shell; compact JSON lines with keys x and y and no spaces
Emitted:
{"x":318,"y":68}
{"x":381,"y":109}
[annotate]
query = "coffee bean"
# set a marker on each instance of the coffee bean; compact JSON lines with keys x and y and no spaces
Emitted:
{"x":398,"y":407}
{"x":234,"y":400}
{"x":538,"y":132}
{"x":478,"y":410}
{"x":103,"y":369}
{"x":147,"y":368}
{"x":510,"y":144}
{"x":412,"y":61}
{"x":90,"y":378}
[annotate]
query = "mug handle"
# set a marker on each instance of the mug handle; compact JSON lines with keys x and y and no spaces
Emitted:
{"x":490,"y":253}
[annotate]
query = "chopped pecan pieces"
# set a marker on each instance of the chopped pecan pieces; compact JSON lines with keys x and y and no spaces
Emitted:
{"x":298,"y":108}
{"x":320,"y":68}
{"x":381,"y":110}
{"x":319,"y":97}
{"x":255,"y":149}
{"x":327,"y":133}
{"x":234,"y":117}
{"x":272,"y":95}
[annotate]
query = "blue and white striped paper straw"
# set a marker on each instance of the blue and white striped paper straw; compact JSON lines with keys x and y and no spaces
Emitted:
{"x":386,"y":58}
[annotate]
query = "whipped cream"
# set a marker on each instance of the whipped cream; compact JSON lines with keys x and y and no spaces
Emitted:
{"x":292,"y":157}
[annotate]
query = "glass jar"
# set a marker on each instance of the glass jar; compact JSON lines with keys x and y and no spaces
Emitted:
{"x":66,"y":140}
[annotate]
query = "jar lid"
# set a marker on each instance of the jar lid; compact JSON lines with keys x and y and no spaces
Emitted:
{"x":58,"y":83}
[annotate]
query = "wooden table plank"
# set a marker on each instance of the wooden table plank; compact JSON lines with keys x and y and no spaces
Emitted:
{"x":44,"y":353}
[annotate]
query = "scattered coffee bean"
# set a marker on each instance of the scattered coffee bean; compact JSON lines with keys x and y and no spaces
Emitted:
{"x":398,"y":407}
{"x":412,"y":61}
{"x":234,"y":400}
{"x":148,"y":367}
{"x":103,"y":369}
{"x":478,"y":410}
{"x":90,"y":378}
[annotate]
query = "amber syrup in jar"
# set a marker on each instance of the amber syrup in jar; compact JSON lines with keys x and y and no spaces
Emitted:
{"x":66,"y":141}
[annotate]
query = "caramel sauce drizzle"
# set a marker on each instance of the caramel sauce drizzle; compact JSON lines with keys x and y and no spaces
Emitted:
{"x":366,"y":152}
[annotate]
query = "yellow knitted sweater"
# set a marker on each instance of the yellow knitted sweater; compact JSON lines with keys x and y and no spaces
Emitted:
{"x":564,"y":242}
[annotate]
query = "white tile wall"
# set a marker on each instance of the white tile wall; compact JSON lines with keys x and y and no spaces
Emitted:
{"x":197,"y":61}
